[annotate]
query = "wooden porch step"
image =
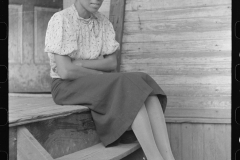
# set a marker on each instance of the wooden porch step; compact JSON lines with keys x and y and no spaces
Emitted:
{"x":42,"y":130}
{"x":99,"y":152}
{"x":29,"y":108}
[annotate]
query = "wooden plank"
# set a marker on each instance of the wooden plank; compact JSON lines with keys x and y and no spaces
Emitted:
{"x":215,"y":11}
{"x":209,"y":142}
{"x":167,"y":56}
{"x":139,"y":5}
{"x":192,"y":79}
{"x":211,"y":113}
{"x":198,"y":120}
{"x":12,"y":144}
{"x":199,"y":45}
{"x":30,"y":147}
{"x":176,"y":141}
{"x":187,"y":141}
{"x":220,"y":151}
{"x":197,"y":90}
{"x":179,"y":25}
{"x":65,"y":135}
{"x":175,"y":36}
{"x":15,"y":30}
{"x":27,"y":110}
{"x":117,"y":15}
{"x":228,"y":141}
{"x":99,"y":152}
{"x":220,"y":68}
{"x":200,"y":102}
{"x":197,"y":134}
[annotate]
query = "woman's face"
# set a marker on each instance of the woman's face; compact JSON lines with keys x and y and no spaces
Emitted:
{"x":85,"y":7}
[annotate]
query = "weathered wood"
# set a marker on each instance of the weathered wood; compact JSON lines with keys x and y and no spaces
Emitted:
{"x":219,"y":133}
{"x":175,"y":36}
{"x":139,"y":5}
{"x":12,"y":144}
{"x":200,"y":102}
{"x":200,"y":141}
{"x":196,"y":90}
{"x":42,"y":16}
{"x":176,"y":140}
{"x":30,"y":147}
{"x":65,"y":135}
{"x":23,"y":110}
{"x":179,"y":25}
{"x":212,"y":113}
{"x":169,"y":56}
{"x":199,"y":45}
{"x":213,"y":11}
{"x":99,"y":152}
{"x":117,"y":15}
{"x":197,"y":138}
{"x":180,"y":69}
{"x":15,"y":30}
{"x":193,"y":79}
{"x":24,"y":74}
{"x":137,"y":155}
{"x":227,"y":137}
{"x":209,"y":142}
{"x":187,"y":141}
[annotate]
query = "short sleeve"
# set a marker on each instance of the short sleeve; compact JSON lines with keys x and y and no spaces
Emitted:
{"x":59,"y":36}
{"x":110,"y":45}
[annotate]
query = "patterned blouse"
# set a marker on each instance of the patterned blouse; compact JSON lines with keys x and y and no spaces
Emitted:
{"x":68,"y":34}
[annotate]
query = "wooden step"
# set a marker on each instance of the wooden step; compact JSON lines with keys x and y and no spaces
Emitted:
{"x":99,"y":152}
{"x":29,"y":108}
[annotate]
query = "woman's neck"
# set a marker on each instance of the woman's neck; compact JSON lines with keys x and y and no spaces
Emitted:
{"x":82,"y":12}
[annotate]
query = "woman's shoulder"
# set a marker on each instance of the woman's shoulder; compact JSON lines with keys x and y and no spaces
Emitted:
{"x":63,"y":15}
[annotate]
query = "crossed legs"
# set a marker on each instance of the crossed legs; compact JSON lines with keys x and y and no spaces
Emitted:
{"x":149,"y":126}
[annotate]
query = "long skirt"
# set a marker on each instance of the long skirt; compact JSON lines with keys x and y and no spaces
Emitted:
{"x":113,"y":98}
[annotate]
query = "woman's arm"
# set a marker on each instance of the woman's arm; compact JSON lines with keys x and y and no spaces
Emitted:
{"x":68,"y":70}
{"x":107,"y":64}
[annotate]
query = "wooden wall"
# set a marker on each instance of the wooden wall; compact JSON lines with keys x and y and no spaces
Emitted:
{"x":185,"y":45}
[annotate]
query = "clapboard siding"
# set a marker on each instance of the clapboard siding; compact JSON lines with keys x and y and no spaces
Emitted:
{"x":179,"y":25}
{"x":133,"y":5}
{"x":200,"y":141}
{"x":185,"y":45}
{"x":213,"y":11}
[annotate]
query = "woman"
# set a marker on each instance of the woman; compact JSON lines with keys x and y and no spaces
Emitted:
{"x":80,"y":43}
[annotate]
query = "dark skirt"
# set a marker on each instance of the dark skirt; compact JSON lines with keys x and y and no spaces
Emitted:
{"x":113,"y":98}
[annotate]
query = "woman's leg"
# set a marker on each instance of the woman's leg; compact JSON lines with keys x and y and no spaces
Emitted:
{"x":142,"y":129}
{"x":159,"y":128}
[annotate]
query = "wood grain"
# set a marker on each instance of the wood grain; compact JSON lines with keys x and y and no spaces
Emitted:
{"x":179,"y":25}
{"x":117,"y":15}
{"x":139,"y":5}
{"x":23,"y":110}
{"x":99,"y":152}
{"x":29,"y":146}
{"x":198,"y":45}
{"x":175,"y":36}
{"x":151,"y":15}
{"x":65,"y":135}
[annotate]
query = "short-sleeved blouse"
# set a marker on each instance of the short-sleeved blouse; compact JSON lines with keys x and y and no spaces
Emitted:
{"x":68,"y":34}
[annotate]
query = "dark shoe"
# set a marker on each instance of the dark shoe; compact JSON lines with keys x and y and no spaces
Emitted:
{"x":128,"y":137}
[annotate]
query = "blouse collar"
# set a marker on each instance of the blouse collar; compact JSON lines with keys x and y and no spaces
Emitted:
{"x":80,"y":18}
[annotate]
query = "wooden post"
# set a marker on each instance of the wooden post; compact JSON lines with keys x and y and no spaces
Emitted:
{"x":116,"y":16}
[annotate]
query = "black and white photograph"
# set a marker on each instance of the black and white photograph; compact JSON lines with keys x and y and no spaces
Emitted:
{"x":120,"y":79}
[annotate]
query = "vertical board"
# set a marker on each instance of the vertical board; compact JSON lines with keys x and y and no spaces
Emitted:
{"x":200,"y":141}
{"x":15,"y":34}
{"x":42,"y":16}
